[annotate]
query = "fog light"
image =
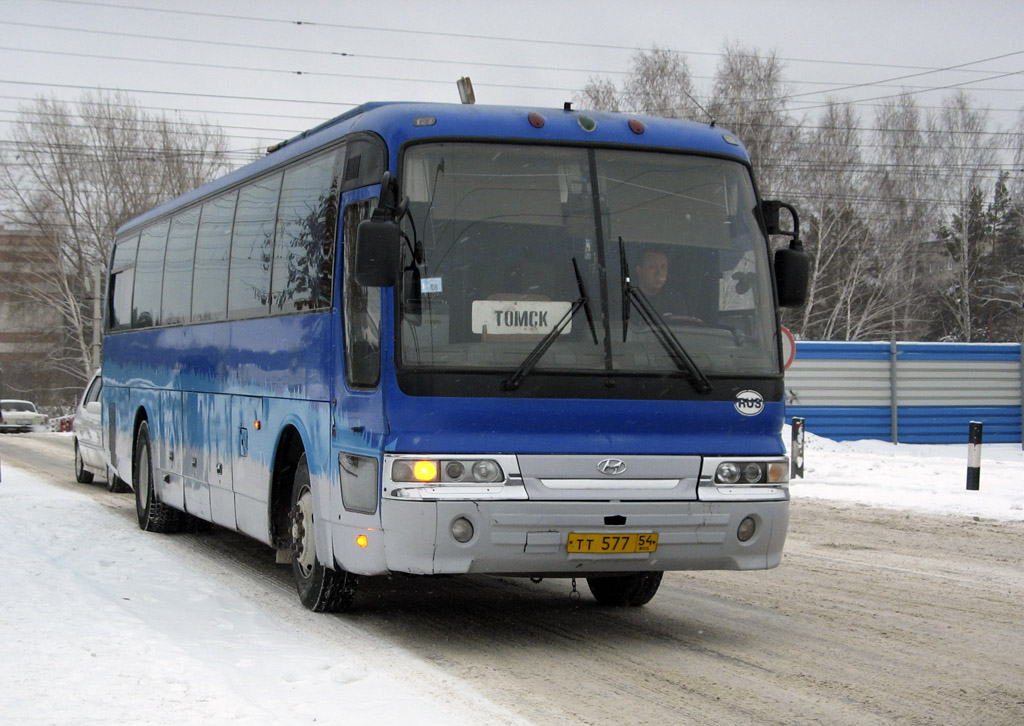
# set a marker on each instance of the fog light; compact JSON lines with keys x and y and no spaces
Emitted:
{"x":746,"y":529}
{"x":462,"y":530}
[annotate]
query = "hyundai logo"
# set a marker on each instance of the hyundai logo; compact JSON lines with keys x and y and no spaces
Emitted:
{"x":611,"y":467}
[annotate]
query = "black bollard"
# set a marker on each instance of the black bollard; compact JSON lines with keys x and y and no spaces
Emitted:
{"x":974,"y":457}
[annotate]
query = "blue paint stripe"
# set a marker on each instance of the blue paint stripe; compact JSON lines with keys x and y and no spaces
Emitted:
{"x":848,"y":350}
{"x":917,"y":424}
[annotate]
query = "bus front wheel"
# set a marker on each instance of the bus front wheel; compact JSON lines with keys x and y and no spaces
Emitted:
{"x":623,"y":590}
{"x":321,"y":589}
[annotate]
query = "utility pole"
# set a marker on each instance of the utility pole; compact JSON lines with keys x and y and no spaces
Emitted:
{"x":97,"y":315}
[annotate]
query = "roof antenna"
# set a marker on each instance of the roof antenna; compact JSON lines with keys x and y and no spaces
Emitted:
{"x":466,"y":94}
{"x":697,"y":104}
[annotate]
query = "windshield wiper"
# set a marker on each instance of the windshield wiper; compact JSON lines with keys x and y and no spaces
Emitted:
{"x":583,"y":301}
{"x":635,"y":296}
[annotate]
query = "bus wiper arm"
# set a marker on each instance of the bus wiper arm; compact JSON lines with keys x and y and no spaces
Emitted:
{"x":667,"y":338}
{"x":512,"y":382}
{"x":586,"y":300}
{"x":583,"y":301}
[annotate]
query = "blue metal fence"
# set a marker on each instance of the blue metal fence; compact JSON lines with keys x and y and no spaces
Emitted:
{"x":907,"y":392}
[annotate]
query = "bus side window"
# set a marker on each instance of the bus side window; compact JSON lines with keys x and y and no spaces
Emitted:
{"x":361,"y":308}
{"x":181,"y":248}
{"x":252,"y":248}
{"x":306,"y":229}
{"x":149,"y":275}
{"x":122,"y":282}
{"x":213,"y":251}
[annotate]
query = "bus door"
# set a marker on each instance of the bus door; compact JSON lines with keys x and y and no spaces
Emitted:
{"x":358,"y":424}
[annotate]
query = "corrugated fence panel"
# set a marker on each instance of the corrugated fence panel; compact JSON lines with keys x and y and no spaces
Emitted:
{"x":844,"y":390}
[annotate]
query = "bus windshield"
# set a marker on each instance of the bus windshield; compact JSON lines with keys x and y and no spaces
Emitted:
{"x":506,"y":242}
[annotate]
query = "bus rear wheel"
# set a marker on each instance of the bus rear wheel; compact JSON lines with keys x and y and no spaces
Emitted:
{"x":320,"y":588}
{"x":623,"y":590}
{"x":153,"y":516}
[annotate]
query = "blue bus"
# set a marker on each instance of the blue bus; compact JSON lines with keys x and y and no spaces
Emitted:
{"x":442,"y":339}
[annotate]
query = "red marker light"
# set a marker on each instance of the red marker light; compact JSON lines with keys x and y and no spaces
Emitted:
{"x":536,"y":120}
{"x":636,"y":126}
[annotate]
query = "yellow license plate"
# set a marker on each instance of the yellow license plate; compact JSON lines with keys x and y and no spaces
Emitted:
{"x":612,"y":544}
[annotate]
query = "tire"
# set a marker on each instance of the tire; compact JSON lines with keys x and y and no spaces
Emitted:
{"x":82,"y":475}
{"x":320,"y":588}
{"x":625,"y":590}
{"x":153,"y":516}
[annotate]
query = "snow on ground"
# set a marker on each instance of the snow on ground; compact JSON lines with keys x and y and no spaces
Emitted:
{"x":930,"y":478}
{"x":99,"y":625}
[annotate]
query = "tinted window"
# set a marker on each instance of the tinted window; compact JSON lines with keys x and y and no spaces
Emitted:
{"x":364,"y":164}
{"x":304,"y":247}
{"x":213,"y":250}
{"x":149,"y":275}
{"x":122,"y":279}
{"x":362,"y":309}
{"x":252,"y":248}
{"x":181,"y":247}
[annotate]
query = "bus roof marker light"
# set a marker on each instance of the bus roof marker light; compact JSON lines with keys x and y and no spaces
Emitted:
{"x":730,"y":139}
{"x":636,"y":126}
{"x":586,"y":123}
{"x":424,"y":121}
{"x":536,"y":120}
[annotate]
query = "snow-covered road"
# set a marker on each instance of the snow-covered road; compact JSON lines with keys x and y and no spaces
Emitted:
{"x":905,"y":612}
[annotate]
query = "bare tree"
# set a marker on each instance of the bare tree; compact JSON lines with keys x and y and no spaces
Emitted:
{"x":964,"y":155}
{"x":600,"y":94}
{"x":72,"y":175}
{"x":903,"y":214}
{"x":749,"y":98}
{"x":658,"y":84}
{"x":845,"y":300}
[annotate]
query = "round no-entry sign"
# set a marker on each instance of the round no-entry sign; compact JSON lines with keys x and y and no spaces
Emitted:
{"x":788,"y":347}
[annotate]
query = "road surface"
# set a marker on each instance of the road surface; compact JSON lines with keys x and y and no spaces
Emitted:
{"x":874,"y":617}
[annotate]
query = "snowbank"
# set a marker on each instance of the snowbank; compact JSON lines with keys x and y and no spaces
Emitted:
{"x":931,"y":478}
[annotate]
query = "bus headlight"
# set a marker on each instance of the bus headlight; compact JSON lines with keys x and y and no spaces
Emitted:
{"x":447,"y":471}
{"x":752,"y":472}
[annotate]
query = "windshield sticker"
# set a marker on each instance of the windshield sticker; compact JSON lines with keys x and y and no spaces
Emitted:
{"x":507,"y":317}
{"x":431,"y":285}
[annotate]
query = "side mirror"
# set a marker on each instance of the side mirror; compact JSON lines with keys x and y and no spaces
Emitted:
{"x":377,"y":248}
{"x":792,"y":266}
{"x":792,"y":275}
{"x":378,"y":240}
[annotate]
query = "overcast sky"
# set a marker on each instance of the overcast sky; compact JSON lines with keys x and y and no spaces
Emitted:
{"x":265,"y":70}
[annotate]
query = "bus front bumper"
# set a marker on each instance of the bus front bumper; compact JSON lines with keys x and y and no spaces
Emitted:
{"x":531,"y":538}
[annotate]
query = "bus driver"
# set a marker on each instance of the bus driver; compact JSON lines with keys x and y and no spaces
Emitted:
{"x":652,"y":274}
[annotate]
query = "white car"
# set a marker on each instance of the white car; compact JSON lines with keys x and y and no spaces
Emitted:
{"x":91,"y":454}
{"x":20,"y":416}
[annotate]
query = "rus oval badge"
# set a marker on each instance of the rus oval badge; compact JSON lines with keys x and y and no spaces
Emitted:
{"x":749,"y":403}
